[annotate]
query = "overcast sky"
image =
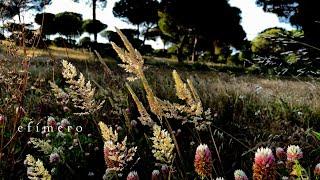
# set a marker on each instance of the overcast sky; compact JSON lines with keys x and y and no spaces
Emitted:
{"x":254,"y":20}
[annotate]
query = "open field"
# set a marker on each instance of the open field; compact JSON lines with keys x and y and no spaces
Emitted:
{"x":159,"y":90}
{"x":248,"y":111}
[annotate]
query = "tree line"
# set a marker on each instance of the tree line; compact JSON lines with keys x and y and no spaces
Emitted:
{"x":188,"y":29}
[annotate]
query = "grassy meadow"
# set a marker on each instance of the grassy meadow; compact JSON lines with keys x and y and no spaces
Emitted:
{"x":239,"y":114}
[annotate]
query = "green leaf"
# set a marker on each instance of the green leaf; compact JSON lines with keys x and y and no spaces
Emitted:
{"x":316,"y":134}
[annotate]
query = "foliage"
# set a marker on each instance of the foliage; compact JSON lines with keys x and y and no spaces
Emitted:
{"x":169,"y":120}
{"x":36,"y":170}
{"x":63,"y":42}
{"x":16,"y":27}
{"x":184,"y":20}
{"x":280,"y":52}
{"x":85,"y":42}
{"x":13,"y":83}
{"x":47,"y":23}
{"x":137,"y":11}
{"x":130,"y":34}
{"x":79,"y":92}
{"x":14,"y":7}
{"x":93,"y":26}
{"x":94,"y":4}
{"x":300,"y":13}
{"x":69,"y":23}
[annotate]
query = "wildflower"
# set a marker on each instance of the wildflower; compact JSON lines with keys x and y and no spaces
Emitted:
{"x":66,"y":109}
{"x":240,"y":175}
{"x":60,"y":134}
{"x":203,"y":161}
{"x":133,"y":123}
{"x":178,"y":132}
{"x":165,"y":170}
{"x":263,"y":167}
{"x":51,"y":121}
{"x":155,"y":175}
{"x":317,"y":170}
{"x":35,"y":169}
{"x":258,"y":89}
{"x":119,"y":128}
{"x":90,"y":174}
{"x":75,"y":142}
{"x":264,"y":157}
{"x":294,"y":153}
{"x":54,"y":171}
{"x":133,"y":175}
{"x":65,"y":123}
{"x":280,"y":153}
{"x":54,"y":158}
{"x":162,"y":145}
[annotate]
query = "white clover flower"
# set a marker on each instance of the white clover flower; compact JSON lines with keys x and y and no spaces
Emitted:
{"x":54,"y":158}
{"x":317,"y":170}
{"x":240,"y":175}
{"x":133,"y":175}
{"x":264,"y":157}
{"x":294,"y":153}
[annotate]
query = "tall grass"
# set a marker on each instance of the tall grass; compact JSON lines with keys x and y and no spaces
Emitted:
{"x":156,"y":125}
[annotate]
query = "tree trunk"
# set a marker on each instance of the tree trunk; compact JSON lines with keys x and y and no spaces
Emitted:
{"x":144,"y":36}
{"x":194,"y":56}
{"x":138,"y":29}
{"x":216,"y":50}
{"x":94,"y":7}
{"x":180,"y":49}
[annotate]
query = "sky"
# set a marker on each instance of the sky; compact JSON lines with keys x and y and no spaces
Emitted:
{"x":254,"y":19}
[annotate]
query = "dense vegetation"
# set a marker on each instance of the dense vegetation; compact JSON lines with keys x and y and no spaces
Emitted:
{"x":210,"y":105}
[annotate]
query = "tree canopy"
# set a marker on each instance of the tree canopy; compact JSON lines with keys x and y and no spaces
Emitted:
{"x":93,"y":26}
{"x":94,"y":3}
{"x":47,"y":23}
{"x":265,"y":43}
{"x":304,"y":14}
{"x":129,"y":33}
{"x":202,"y":21}
{"x":137,"y":11}
{"x":10,"y":8}
{"x":69,"y":23}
